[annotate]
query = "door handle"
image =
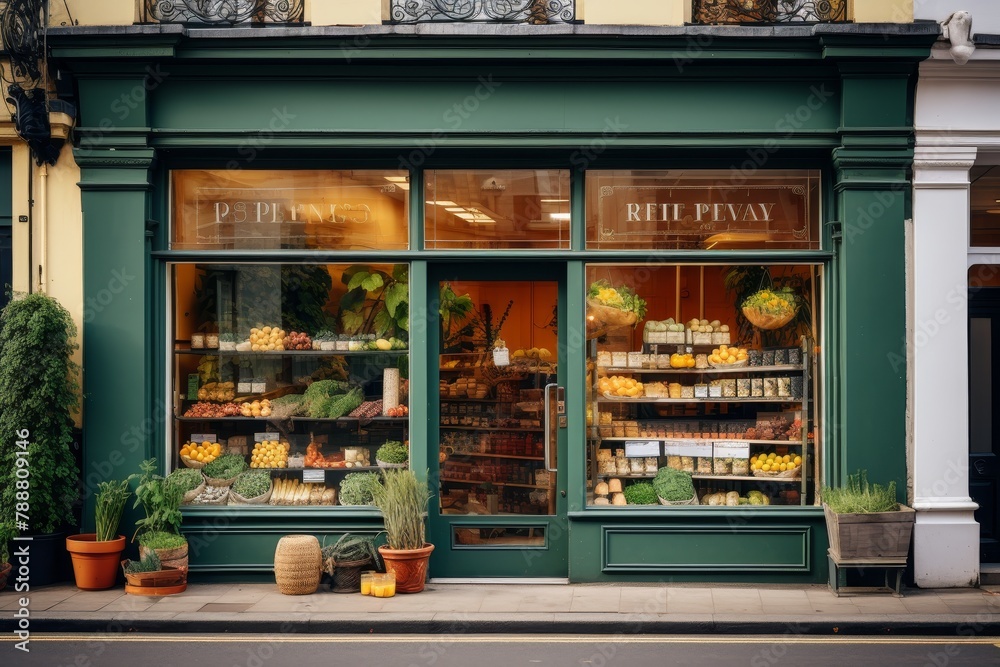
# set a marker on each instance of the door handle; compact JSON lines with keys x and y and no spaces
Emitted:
{"x":550,"y":433}
{"x":980,"y":466}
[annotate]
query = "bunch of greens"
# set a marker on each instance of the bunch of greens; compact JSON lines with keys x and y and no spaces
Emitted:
{"x":351,"y":548}
{"x":287,"y":406}
{"x":330,"y":399}
{"x":673,"y":485}
{"x":252,"y":484}
{"x":162,"y":540}
{"x":640,"y":493}
{"x":187,"y":479}
{"x":358,"y":488}
{"x":621,"y":297}
{"x":149,"y":563}
{"x":860,"y":497}
{"x":393,"y":451}
{"x":160,"y":500}
{"x":110,"y":504}
{"x":226,"y":466}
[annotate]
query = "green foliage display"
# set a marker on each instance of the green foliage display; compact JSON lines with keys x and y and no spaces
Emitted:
{"x":188,"y":479}
{"x":149,"y":563}
{"x":393,"y":451}
{"x":162,"y":540}
{"x":673,"y":485}
{"x":358,"y":488}
{"x":252,"y":483}
{"x":376,"y":301}
{"x":640,"y":493}
{"x":38,"y":396}
{"x":226,"y":466}
{"x":160,"y":500}
{"x":350,"y":548}
{"x":111,"y":499}
{"x":403,"y":500}
{"x":860,"y":497}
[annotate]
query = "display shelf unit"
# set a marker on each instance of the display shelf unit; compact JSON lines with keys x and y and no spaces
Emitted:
{"x":489,"y":481}
{"x":213,"y":351}
{"x":488,"y":455}
{"x":803,"y":404}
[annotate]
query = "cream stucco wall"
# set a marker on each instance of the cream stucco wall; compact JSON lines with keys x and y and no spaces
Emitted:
{"x":881,"y":11}
{"x":345,"y":12}
{"x":93,"y":12}
{"x":634,"y":12}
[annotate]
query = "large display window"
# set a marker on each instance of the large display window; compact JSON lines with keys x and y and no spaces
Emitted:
{"x":290,"y":382}
{"x":703,"y":384}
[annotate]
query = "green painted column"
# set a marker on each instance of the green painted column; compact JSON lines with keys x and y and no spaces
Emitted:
{"x":118,"y":350}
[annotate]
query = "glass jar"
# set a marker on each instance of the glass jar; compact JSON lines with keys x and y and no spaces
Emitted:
{"x":212,"y":341}
{"x":197,"y":341}
{"x":366,"y":581}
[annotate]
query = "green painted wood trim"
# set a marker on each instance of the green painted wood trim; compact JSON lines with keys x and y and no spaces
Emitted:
{"x":423,"y":362}
{"x":578,"y":208}
{"x":416,"y":210}
{"x":695,"y":544}
{"x":725,"y":515}
{"x":640,"y":257}
{"x":576,"y":385}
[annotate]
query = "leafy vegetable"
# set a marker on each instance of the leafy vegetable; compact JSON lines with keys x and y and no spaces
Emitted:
{"x":353,"y":548}
{"x":358,"y":488}
{"x":621,"y":297}
{"x":860,"y":497}
{"x":149,"y":563}
{"x":226,"y":466}
{"x":641,"y":493}
{"x":252,"y":484}
{"x":160,"y":500}
{"x":187,"y":479}
{"x":162,"y":540}
{"x":393,"y":451}
{"x":673,"y":485}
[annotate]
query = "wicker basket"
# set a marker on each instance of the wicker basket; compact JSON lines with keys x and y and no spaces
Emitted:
{"x":612,"y":318}
{"x":692,"y":501}
{"x":191,"y":463}
{"x":346,"y":575}
{"x":794,"y":473}
{"x":298,"y":564}
{"x":193,"y":493}
{"x":214,"y":481}
{"x":763,"y":320}
{"x":383,"y":464}
{"x":237,"y":499}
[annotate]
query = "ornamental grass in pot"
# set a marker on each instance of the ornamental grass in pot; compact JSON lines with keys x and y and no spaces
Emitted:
{"x":865,"y":522}
{"x":96,"y":555}
{"x":403,"y":500}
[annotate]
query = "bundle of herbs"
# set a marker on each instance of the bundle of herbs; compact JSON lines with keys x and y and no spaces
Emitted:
{"x":162,"y":540}
{"x":160,"y":500}
{"x":673,"y":485}
{"x":352,"y":549}
{"x":393,"y":451}
{"x":226,"y":466}
{"x":860,"y":497}
{"x":187,"y":479}
{"x":358,"y":488}
{"x":252,"y":484}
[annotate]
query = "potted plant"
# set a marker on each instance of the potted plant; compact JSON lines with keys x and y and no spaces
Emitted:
{"x":148,"y":576}
{"x":7,"y":534}
{"x":392,"y":454}
{"x":96,"y":555}
{"x":159,"y":529}
{"x":403,"y":500}
{"x":865,"y":522}
{"x":39,"y":394}
{"x":344,"y":560}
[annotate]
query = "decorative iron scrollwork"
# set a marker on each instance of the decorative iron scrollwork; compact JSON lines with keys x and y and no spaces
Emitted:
{"x":483,"y":11}
{"x":769,"y":11}
{"x":22,"y":24}
{"x":226,"y":12}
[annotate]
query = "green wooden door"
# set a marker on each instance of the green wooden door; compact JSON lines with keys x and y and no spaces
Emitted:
{"x":497,"y":433}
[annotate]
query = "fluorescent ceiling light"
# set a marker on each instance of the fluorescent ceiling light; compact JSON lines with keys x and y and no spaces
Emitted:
{"x":559,"y":216}
{"x":398,"y":179}
{"x":443,"y":203}
{"x":402,"y":186}
{"x":553,"y":201}
{"x":455,"y":209}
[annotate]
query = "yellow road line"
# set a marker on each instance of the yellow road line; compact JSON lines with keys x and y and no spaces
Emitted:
{"x":510,"y":639}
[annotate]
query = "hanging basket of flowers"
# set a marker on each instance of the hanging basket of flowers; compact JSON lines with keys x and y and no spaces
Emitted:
{"x":771,"y":309}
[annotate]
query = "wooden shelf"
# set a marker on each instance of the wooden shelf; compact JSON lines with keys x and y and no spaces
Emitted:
{"x":758,"y":399}
{"x":797,"y":443}
{"x":497,"y":456}
{"x":703,"y":371}
{"x":750,"y":478}
{"x":532,"y":429}
{"x":486,"y":481}
{"x":286,"y":353}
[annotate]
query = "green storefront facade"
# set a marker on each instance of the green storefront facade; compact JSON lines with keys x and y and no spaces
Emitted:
{"x":835,"y":99}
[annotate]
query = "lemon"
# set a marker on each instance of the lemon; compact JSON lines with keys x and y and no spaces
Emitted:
{"x":798,"y":460}
{"x":766,"y":467}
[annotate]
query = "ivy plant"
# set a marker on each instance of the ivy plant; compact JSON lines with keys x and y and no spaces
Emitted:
{"x":39,"y":394}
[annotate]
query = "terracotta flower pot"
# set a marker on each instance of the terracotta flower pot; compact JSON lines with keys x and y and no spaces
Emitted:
{"x":409,"y":566}
{"x":95,"y":564}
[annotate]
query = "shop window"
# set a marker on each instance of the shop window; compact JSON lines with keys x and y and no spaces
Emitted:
{"x":294,"y":210}
{"x":769,"y":11}
{"x":497,"y":209}
{"x":533,"y":12}
{"x":295,"y":372}
{"x":985,"y":206}
{"x":702,"y":384}
{"x":224,"y":12}
{"x":702,"y":210}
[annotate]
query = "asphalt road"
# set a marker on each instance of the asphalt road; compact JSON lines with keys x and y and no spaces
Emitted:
{"x":490,"y":651}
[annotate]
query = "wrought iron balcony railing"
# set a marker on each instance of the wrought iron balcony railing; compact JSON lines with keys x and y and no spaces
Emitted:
{"x":536,"y":12}
{"x":223,"y":12}
{"x":769,"y":11}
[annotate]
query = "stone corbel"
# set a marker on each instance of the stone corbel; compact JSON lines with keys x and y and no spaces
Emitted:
{"x":957,"y":29}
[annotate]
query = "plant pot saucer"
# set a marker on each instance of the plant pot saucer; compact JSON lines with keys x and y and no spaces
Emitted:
{"x":155,"y":591}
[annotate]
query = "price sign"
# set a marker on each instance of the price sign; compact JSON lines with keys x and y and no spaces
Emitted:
{"x":270,"y":437}
{"x":695,"y":448}
{"x":203,"y":437}
{"x":193,"y":382}
{"x":642,"y":448}
{"x":732,"y":449}
{"x":313,"y":476}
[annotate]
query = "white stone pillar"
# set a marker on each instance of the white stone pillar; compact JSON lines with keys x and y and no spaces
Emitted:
{"x":946,"y":536}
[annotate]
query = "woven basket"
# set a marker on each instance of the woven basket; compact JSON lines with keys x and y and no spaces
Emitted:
{"x":346,"y":575}
{"x":214,"y":481}
{"x":794,"y":473}
{"x":612,"y":318}
{"x":692,"y":501}
{"x":237,"y":499}
{"x":383,"y":464}
{"x":193,"y":493}
{"x":298,"y":564}
{"x":221,"y":501}
{"x":769,"y":322}
{"x":191,"y":463}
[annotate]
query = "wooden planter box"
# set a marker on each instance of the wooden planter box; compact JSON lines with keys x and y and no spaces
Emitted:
{"x":870,"y":536}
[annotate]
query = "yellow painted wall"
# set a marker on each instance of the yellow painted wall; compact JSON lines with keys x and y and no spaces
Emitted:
{"x":881,"y":11}
{"x":345,"y":12}
{"x":93,"y":12}
{"x":634,"y":12}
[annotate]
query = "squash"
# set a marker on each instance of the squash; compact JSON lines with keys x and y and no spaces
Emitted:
{"x":615,"y":485}
{"x":618,"y":499}
{"x":602,"y":489}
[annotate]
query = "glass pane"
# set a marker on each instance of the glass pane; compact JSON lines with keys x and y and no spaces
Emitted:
{"x":498,"y":536}
{"x":295,"y":210}
{"x":690,"y":395}
{"x":492,"y":209}
{"x":985,"y":203}
{"x":498,"y":353}
{"x":702,"y":210}
{"x":981,"y":384}
{"x":300,"y":370}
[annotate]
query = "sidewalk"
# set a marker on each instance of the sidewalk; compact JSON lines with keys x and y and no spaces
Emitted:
{"x":517,"y":608}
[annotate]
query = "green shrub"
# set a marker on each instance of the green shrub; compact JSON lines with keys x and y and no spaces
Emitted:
{"x":641,"y":493}
{"x":860,"y":497}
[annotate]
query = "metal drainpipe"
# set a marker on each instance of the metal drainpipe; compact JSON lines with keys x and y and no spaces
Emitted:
{"x":43,"y":267}
{"x":31,"y":226}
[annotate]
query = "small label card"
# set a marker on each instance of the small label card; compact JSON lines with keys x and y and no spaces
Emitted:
{"x":732,"y":449}
{"x":193,"y":384}
{"x":313,"y":476}
{"x":642,"y":448}
{"x":203,"y":437}
{"x":269,"y":437}
{"x":501,"y":356}
{"x":695,"y":448}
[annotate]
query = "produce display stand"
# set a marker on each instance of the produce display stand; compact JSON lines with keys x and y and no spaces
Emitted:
{"x":840,"y":566}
